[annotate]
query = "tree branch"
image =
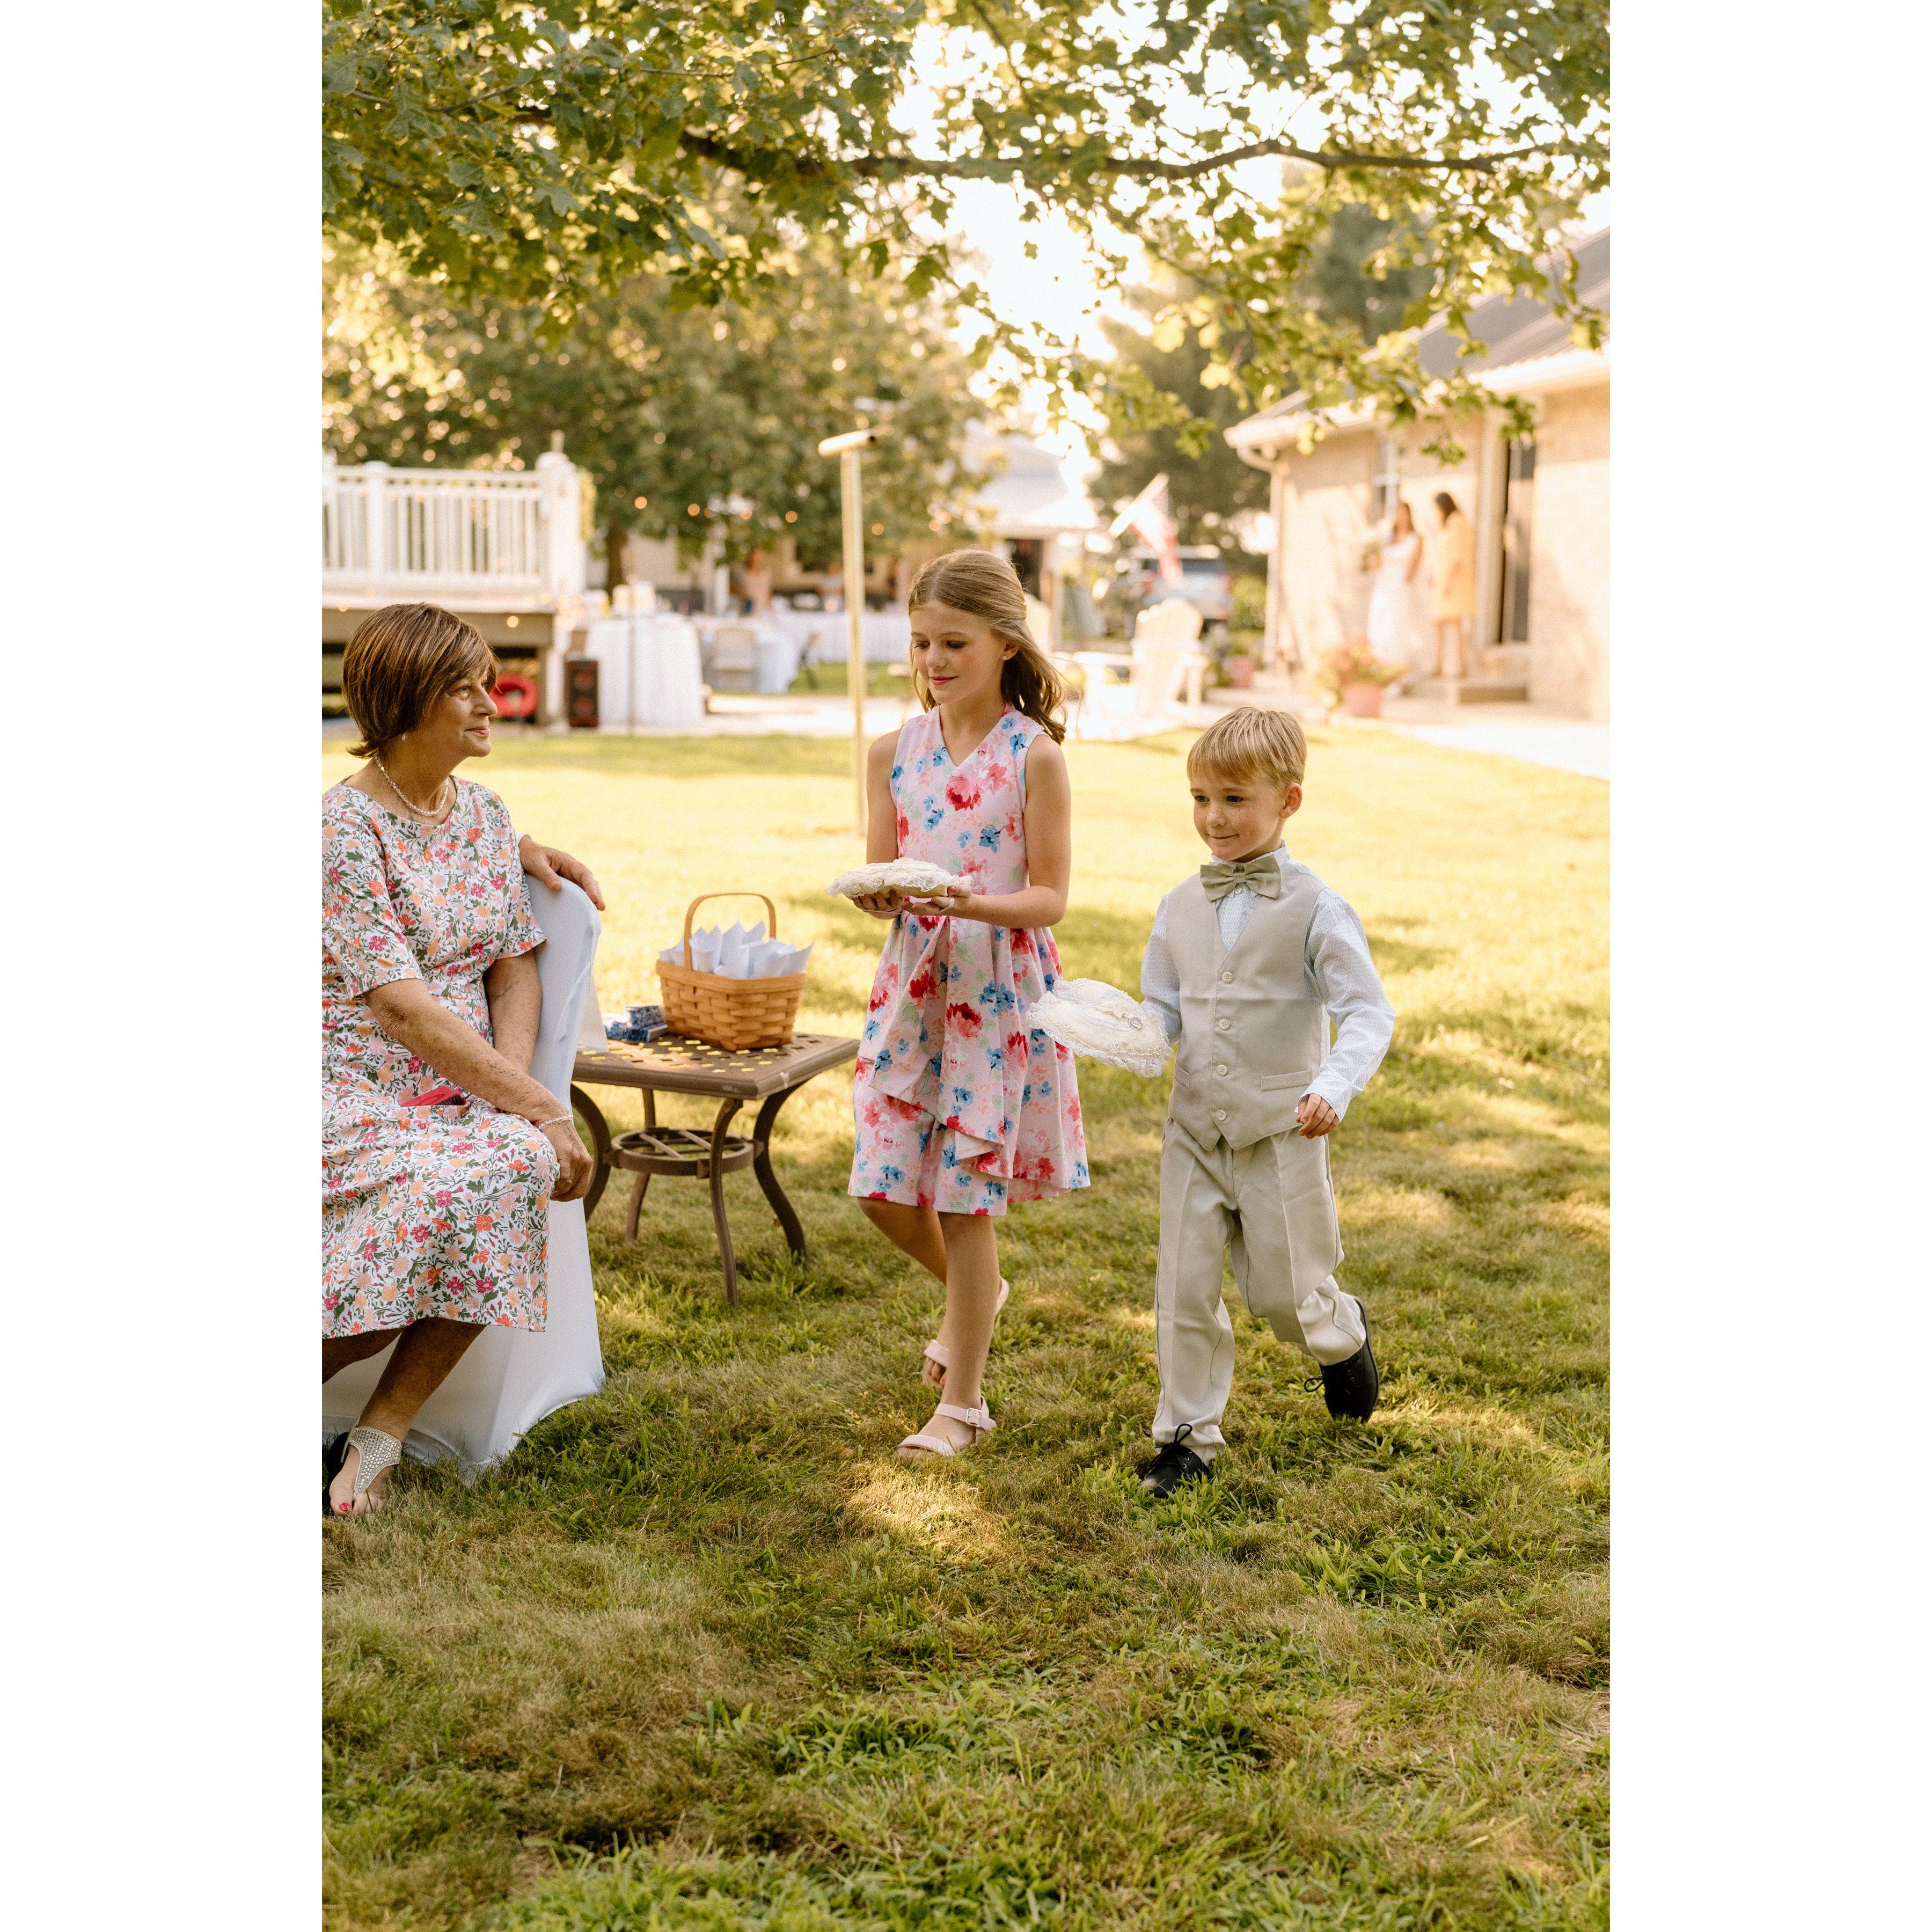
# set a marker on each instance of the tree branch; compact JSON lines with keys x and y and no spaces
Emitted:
{"x":894,"y":167}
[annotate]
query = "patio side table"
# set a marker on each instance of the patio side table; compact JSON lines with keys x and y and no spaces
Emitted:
{"x":671,"y":1064}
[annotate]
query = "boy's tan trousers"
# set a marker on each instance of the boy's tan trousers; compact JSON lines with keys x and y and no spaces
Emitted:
{"x":1270,"y":1203}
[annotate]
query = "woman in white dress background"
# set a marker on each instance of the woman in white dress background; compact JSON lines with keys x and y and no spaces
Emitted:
{"x":1391,"y":622}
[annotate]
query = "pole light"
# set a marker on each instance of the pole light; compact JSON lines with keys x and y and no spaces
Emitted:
{"x":849,"y":449}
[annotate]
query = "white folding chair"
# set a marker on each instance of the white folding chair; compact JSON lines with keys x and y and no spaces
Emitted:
{"x":510,"y":1379}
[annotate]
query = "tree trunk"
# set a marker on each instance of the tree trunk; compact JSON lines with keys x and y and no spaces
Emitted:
{"x":615,"y":538}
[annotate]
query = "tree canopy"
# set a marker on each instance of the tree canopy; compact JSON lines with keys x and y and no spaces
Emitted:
{"x":542,"y":152}
{"x":688,"y":422}
{"x":1209,"y":484}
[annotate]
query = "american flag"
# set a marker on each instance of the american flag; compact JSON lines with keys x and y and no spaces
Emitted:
{"x":1151,"y":515}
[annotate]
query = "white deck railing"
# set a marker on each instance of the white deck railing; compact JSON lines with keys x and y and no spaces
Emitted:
{"x":515,"y":536}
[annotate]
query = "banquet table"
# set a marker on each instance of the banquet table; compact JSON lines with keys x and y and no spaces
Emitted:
{"x":649,"y":669}
{"x":886,"y":635}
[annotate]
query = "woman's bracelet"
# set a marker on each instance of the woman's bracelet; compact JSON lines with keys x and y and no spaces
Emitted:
{"x":562,"y":1120}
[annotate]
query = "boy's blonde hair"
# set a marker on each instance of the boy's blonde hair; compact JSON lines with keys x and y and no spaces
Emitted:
{"x":1248,"y":745}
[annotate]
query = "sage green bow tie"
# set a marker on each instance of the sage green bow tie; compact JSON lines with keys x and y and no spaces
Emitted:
{"x":1261,"y":875}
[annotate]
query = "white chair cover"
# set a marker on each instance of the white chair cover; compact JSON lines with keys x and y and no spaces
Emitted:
{"x":512,"y":1379}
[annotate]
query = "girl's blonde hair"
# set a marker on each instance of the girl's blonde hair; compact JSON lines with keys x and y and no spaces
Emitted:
{"x":985,"y":586}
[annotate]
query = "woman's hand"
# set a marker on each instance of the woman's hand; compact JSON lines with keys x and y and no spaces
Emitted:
{"x":544,"y":863}
{"x":880,"y":905}
{"x":575,"y":1168}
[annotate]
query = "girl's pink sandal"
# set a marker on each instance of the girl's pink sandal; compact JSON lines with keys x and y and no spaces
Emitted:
{"x":941,"y":1356}
{"x":979,"y":1420}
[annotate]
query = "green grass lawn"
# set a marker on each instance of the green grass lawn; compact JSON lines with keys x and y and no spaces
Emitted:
{"x":702,"y":1655}
{"x":829,"y":678}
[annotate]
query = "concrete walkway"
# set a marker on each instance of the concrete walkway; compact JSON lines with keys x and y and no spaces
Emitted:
{"x":1525,"y":731}
{"x":1570,"y":744}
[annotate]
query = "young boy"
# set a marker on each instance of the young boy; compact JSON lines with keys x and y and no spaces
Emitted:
{"x":1245,"y":964}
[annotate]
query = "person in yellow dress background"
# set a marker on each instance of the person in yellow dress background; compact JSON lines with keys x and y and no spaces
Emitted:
{"x":1452,"y":589}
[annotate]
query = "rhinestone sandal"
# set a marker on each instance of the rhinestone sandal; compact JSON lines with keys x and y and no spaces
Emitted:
{"x":979,"y":1420}
{"x":374,"y":1452}
{"x":941,"y":1356}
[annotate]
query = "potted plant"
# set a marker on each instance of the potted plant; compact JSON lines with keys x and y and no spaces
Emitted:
{"x":1353,"y":674}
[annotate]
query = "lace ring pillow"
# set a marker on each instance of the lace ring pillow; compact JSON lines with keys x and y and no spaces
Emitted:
{"x":1088,"y":1017}
{"x":1099,"y":1022}
{"x":915,"y":878}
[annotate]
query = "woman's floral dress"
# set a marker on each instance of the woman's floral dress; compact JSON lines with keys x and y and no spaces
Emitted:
{"x":433,"y":1209}
{"x":957,"y":1104}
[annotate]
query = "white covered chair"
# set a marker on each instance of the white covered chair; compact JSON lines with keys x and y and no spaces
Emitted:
{"x":510,"y":1379}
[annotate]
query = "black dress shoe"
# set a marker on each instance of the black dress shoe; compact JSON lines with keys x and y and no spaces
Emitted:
{"x":1175,"y":1465}
{"x":1351,"y":1388}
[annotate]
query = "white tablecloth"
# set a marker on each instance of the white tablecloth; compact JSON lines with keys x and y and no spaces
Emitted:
{"x":648,"y":671}
{"x":887,"y":634}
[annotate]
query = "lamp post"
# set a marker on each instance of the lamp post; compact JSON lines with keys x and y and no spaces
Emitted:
{"x":848,"y":448}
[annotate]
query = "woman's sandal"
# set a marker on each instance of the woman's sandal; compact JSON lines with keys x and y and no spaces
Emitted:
{"x":979,"y":1420}
{"x":941,"y":1356}
{"x":374,"y":1452}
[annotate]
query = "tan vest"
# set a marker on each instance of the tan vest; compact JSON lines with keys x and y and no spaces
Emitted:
{"x":1253,"y":1029}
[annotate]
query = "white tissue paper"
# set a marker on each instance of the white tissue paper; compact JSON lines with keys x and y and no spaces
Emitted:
{"x":737,"y":954}
{"x":919,"y":877}
{"x":1099,"y":1022}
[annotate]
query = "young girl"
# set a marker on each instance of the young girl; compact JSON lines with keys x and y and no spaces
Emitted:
{"x":959,"y":1108}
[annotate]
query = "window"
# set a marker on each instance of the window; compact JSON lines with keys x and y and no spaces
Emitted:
{"x":1386,"y":490}
{"x":1518,"y":504}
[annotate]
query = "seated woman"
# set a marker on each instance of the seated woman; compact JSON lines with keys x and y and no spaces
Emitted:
{"x":439,"y":1152}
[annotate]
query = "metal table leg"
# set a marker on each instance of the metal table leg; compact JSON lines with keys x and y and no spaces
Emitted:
{"x":641,"y":1186}
{"x":761,"y":1166}
{"x":726,"y":1109}
{"x":600,"y":1146}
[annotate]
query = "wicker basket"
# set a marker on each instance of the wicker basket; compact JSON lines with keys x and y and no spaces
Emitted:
{"x":734,"y":1014}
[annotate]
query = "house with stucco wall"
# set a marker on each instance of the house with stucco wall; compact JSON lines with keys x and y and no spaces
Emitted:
{"x":1540,"y":508}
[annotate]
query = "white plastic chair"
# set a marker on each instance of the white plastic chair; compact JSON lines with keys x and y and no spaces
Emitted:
{"x":510,"y":1379}
{"x":1166,"y":658}
{"x":1163,"y":662}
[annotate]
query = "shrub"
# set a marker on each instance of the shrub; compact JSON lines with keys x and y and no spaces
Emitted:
{"x":1354,"y":663}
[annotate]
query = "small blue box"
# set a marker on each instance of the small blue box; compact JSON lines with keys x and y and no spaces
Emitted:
{"x":640,"y":1025}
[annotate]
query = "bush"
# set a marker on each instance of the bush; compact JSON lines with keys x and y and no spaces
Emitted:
{"x":1250,"y":610}
{"x":1354,"y":663}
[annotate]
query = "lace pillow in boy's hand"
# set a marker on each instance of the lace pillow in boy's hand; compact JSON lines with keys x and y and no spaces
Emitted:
{"x":916,"y":878}
{"x":1099,"y":1022}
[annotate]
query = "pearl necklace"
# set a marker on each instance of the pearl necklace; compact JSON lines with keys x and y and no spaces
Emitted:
{"x":432,"y":811}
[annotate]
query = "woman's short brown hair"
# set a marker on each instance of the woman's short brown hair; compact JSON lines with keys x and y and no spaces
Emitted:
{"x":402,"y":658}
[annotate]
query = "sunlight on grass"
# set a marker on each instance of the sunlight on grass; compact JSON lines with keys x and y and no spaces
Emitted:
{"x":921,"y":1506}
{"x":701,"y":1654}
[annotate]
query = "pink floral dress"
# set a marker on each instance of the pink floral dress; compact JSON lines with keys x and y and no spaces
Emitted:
{"x":435,"y":1210}
{"x":957,"y":1104}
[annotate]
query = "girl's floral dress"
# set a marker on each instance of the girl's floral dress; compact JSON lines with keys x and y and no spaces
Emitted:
{"x":957,"y":1104}
{"x":435,"y":1210}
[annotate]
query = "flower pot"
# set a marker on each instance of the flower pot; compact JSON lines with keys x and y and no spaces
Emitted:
{"x":1362,"y":700}
{"x":1241,"y":671}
